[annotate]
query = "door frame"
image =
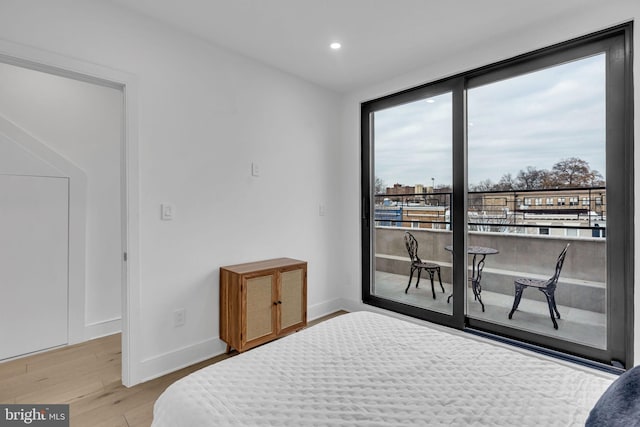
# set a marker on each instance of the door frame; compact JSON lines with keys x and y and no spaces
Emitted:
{"x":53,"y":63}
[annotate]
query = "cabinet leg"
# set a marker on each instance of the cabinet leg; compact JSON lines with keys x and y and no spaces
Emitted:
{"x":228,"y":349}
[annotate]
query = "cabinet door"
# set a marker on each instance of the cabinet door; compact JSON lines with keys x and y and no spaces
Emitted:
{"x":293,"y":297}
{"x":260,"y":313}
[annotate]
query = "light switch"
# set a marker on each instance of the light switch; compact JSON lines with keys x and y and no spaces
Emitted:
{"x":322,"y":209}
{"x":255,"y":169}
{"x":167,"y":211}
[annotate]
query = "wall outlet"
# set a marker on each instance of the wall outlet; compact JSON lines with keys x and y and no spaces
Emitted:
{"x":179,"y":317}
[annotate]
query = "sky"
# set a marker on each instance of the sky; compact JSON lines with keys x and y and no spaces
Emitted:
{"x":535,"y":119}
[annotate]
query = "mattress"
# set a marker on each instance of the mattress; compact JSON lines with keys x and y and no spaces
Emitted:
{"x":366,"y":369}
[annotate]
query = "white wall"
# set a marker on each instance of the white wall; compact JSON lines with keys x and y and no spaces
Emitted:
{"x":479,"y":53}
{"x":81,"y":122}
{"x":204,"y":115}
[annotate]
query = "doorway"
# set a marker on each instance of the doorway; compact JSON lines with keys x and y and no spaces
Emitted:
{"x":73,"y":126}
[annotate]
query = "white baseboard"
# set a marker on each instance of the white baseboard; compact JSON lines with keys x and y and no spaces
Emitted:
{"x":351,"y":305}
{"x":102,"y":328}
{"x":163,"y":364}
{"x":322,"y":309}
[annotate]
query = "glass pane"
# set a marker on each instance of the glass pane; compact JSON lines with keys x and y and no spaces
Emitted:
{"x":412,"y":198}
{"x":536,"y":168}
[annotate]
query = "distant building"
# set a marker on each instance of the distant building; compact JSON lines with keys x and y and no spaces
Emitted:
{"x":563,"y":212}
{"x":560,"y":202}
{"x":400,"y":190}
{"x":578,"y":212}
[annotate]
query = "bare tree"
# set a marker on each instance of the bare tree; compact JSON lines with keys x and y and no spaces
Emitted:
{"x":486,"y":185}
{"x":506,"y":183}
{"x":574,"y":172}
{"x":532,"y":178}
{"x":570,"y":172}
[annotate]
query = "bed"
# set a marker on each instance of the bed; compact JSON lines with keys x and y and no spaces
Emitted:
{"x":367,"y":369}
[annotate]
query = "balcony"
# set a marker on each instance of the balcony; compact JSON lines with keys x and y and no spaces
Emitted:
{"x":528,"y":246}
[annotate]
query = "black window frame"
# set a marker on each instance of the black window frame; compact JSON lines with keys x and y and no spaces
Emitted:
{"x":617,"y":42}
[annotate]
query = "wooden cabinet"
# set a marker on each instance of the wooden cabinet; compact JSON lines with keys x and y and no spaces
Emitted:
{"x":260,"y":301}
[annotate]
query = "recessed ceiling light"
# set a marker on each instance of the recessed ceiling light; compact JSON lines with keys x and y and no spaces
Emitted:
{"x":335,"y":45}
{"x":431,"y":101}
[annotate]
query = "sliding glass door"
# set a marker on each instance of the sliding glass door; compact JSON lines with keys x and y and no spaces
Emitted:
{"x":410,"y":203}
{"x":536,"y":173}
{"x":512,"y":185}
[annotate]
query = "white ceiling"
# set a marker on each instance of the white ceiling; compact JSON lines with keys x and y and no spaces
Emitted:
{"x":381,"y":38}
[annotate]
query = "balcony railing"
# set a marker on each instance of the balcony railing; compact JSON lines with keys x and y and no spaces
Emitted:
{"x":572,"y":212}
{"x":528,"y":228}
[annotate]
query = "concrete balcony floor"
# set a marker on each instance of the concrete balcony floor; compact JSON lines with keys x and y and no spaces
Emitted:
{"x":580,"y":326}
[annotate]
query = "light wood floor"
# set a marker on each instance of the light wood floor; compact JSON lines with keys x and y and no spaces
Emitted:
{"x":87,"y":377}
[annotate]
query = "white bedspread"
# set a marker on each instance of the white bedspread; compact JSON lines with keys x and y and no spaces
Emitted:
{"x":365,"y":369}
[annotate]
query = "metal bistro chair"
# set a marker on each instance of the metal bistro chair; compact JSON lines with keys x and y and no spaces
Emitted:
{"x":547,"y":287}
{"x":418,"y":264}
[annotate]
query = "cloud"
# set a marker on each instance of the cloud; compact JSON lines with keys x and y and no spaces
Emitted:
{"x":535,"y":119}
{"x":413,"y":142}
